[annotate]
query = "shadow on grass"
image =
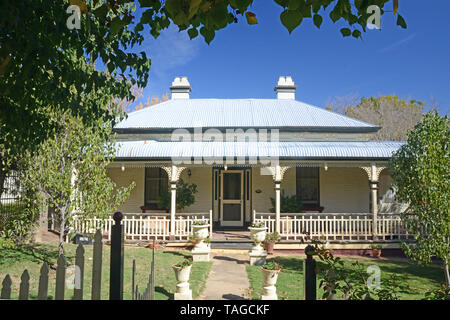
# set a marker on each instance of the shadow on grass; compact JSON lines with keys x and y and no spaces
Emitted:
{"x":164,"y":292}
{"x":178,"y":253}
{"x":30,"y":253}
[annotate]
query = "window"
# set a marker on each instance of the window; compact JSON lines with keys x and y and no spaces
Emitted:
{"x":156,"y":182}
{"x":308,"y":186}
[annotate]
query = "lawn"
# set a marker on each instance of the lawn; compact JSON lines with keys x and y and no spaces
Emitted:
{"x":13,"y":262}
{"x":290,"y":280}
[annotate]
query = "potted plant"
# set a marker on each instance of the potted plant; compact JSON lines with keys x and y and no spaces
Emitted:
{"x":376,"y":250}
{"x":270,"y":240}
{"x":182,"y":273}
{"x":258,"y":234}
{"x":270,"y":273}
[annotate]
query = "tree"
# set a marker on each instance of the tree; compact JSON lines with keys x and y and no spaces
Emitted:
{"x":393,"y":115}
{"x":68,"y":172}
{"x":421,"y":171}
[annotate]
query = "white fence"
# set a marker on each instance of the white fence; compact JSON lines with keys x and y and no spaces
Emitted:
{"x":138,"y":226}
{"x":335,"y":226}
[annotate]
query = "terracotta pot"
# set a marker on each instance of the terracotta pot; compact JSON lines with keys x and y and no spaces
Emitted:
{"x":376,"y":253}
{"x":269,"y":247}
{"x":150,"y":245}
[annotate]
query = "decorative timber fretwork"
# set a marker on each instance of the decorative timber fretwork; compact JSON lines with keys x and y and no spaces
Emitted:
{"x":373,"y":172}
{"x":173,"y":172}
{"x":277,"y":172}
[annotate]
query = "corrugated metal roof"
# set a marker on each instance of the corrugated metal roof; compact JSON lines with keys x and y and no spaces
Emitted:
{"x":287,"y":150}
{"x":235,"y":113}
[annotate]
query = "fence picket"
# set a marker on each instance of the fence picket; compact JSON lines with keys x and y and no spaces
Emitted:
{"x":24,"y":285}
{"x":79,"y":273}
{"x":60,"y":278}
{"x":6,"y":288}
{"x":43,"y":282}
{"x":97,"y":266}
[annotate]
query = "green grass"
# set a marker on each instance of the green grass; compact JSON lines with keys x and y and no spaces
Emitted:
{"x":290,"y":280}
{"x":13,"y":262}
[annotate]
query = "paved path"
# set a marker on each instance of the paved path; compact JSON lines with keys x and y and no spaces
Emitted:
{"x":227,"y":279}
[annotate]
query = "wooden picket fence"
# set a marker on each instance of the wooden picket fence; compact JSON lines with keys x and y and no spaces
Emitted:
{"x":335,"y":226}
{"x":149,"y":293}
{"x":61,"y":276}
{"x":139,"y":227}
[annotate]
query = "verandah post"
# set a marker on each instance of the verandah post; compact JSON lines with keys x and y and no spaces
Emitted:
{"x":116,"y":266}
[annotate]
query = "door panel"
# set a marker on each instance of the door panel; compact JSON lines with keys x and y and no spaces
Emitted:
{"x":232,"y":198}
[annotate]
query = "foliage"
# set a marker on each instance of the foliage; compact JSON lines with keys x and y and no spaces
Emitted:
{"x":17,"y":223}
{"x":68,"y":173}
{"x":351,"y":282}
{"x":395,"y":116}
{"x":288,"y":204}
{"x":259,"y":224}
{"x":272,"y":265}
{"x":199,"y":223}
{"x":272,"y":237}
{"x":46,"y":67}
{"x":420,"y":171}
{"x":376,"y":246}
{"x":443,"y":293}
{"x":185,"y":196}
{"x":185,"y":263}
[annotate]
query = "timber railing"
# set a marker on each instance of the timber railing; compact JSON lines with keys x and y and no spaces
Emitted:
{"x":145,"y":226}
{"x":336,"y":226}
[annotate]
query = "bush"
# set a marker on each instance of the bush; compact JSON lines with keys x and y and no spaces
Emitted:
{"x":185,"y":196}
{"x":289,"y":204}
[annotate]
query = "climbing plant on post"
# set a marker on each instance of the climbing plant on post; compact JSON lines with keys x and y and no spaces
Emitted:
{"x":421,"y":172}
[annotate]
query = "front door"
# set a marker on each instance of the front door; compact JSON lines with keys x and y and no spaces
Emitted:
{"x":232,"y":204}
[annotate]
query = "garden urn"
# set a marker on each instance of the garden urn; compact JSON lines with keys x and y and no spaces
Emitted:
{"x":182,"y":275}
{"x":258,"y":235}
{"x":200,"y":232}
{"x":269,"y":280}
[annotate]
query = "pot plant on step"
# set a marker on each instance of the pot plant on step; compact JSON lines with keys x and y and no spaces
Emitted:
{"x":376,"y":250}
{"x":269,"y":241}
{"x":182,"y":273}
{"x":270,"y":273}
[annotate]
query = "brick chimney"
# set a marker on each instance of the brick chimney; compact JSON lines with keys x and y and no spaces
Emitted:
{"x":180,"y":88}
{"x":285,"y":88}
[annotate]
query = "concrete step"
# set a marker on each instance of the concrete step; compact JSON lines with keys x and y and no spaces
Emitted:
{"x":237,"y":244}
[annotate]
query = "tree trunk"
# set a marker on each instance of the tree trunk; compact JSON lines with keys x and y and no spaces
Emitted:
{"x":3,"y":173}
{"x":62,"y":226}
{"x":447,"y":275}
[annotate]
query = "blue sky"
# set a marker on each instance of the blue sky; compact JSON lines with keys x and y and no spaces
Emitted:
{"x":245,"y":61}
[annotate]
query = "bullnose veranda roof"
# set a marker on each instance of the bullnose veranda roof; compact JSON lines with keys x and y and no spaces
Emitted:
{"x":150,"y":149}
{"x":239,"y":113}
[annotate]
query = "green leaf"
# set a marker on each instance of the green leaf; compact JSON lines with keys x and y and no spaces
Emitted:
{"x":192,"y":33}
{"x":207,"y":34}
{"x":401,"y":22}
{"x":318,"y":20}
{"x":291,"y":19}
{"x":101,"y":12}
{"x":356,"y":34}
{"x":346,"y":32}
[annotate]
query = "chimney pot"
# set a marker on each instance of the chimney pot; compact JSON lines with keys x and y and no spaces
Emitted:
{"x":180,"y":88}
{"x":285,"y":88}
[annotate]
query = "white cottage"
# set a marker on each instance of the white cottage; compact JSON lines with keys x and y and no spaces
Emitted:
{"x":241,"y":153}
